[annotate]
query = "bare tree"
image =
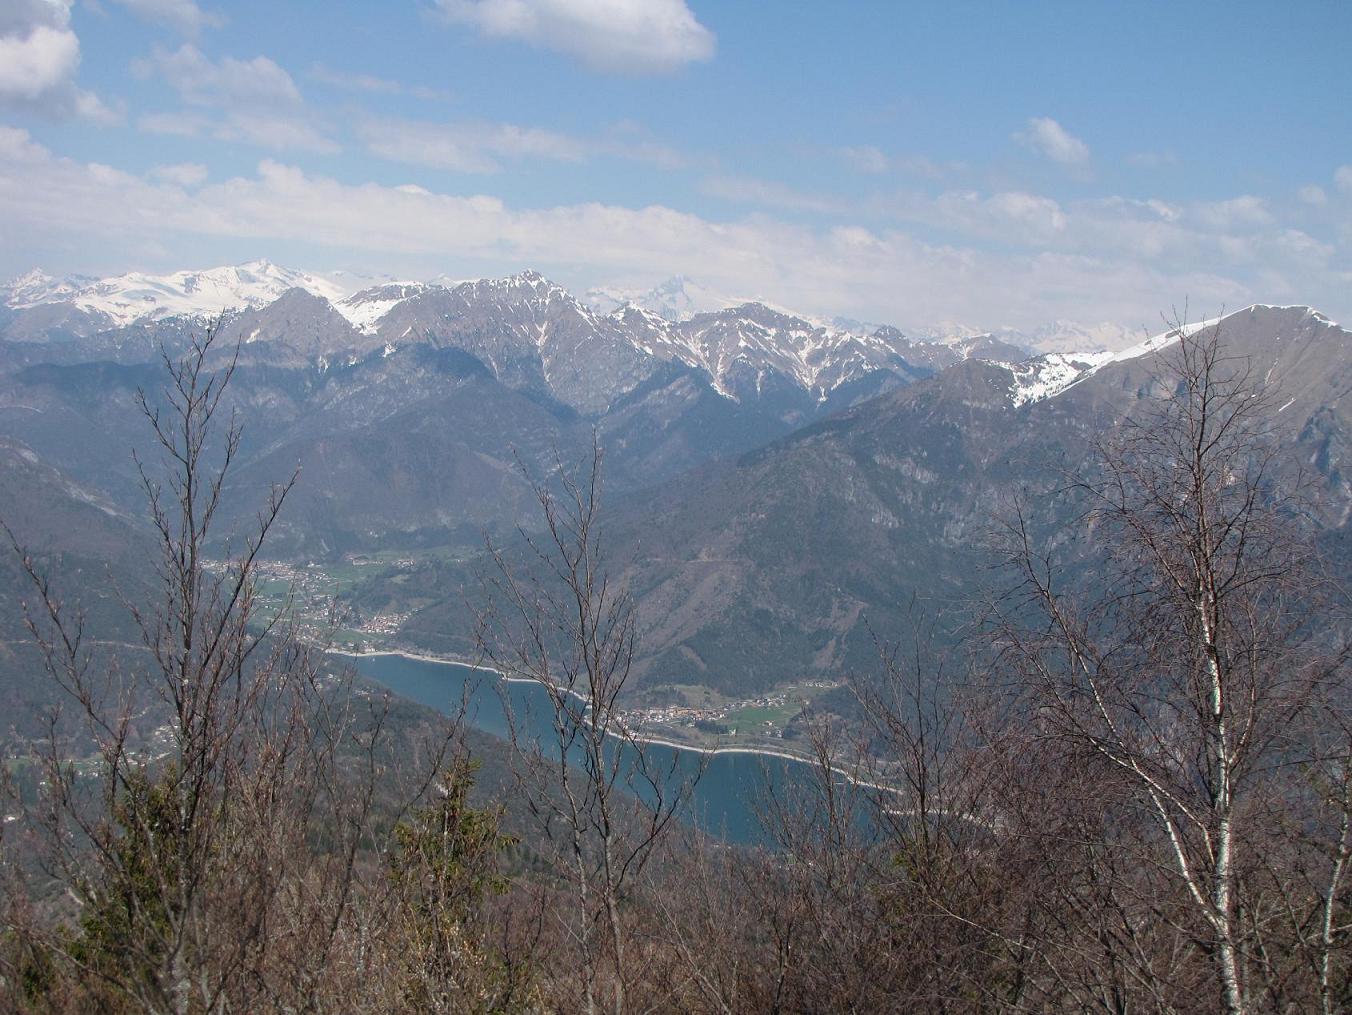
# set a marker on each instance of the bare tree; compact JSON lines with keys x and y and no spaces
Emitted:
{"x":1192,"y":682}
{"x":221,"y":755}
{"x":600,"y":798}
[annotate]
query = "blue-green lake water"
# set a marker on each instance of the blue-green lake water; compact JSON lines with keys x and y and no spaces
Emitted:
{"x":727,"y":799}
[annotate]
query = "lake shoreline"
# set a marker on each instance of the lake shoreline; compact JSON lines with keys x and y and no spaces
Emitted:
{"x":639,"y":737}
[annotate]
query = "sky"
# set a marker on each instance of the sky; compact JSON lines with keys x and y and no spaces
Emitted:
{"x":980,"y":165}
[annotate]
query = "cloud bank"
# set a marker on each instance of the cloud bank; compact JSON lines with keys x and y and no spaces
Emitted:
{"x":1088,"y":265}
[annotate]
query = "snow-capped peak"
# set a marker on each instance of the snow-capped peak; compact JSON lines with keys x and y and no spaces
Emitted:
{"x":137,"y":295}
{"x":36,"y":287}
{"x":1073,"y":337}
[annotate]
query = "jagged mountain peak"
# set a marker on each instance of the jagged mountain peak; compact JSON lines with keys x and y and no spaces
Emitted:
{"x":990,"y":347}
{"x":633,"y":313}
{"x":760,"y":313}
{"x":295,"y":329}
{"x":527,"y":286}
{"x":34,"y":276}
{"x":528,"y":279}
{"x":1300,"y":310}
{"x":297,"y":296}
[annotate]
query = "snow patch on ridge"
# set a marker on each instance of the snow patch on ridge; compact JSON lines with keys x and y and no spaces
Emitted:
{"x":1045,"y":376}
{"x":365,"y":310}
{"x":1157,"y":342}
{"x":1049,"y":375}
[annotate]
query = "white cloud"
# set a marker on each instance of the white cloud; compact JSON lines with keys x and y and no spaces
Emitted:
{"x":1342,"y":177}
{"x":1049,"y":139}
{"x":18,"y":148}
{"x":630,"y":141}
{"x":1313,"y":195}
{"x":39,"y":55}
{"x":626,"y":36}
{"x":466,"y":147}
{"x":866,"y":158}
{"x":477,"y":147}
{"x":1244,"y":212}
{"x":38,"y":62}
{"x":374,"y":85}
{"x":1030,"y":209}
{"x":280,"y":132}
{"x":769,"y":194}
{"x":1166,"y":211}
{"x":185,"y":16}
{"x":1303,"y":248}
{"x":257,"y":101}
{"x":201,"y":81}
{"x":1236,"y":235}
{"x":89,"y":106}
{"x":185,"y":174}
{"x":1009,"y":216}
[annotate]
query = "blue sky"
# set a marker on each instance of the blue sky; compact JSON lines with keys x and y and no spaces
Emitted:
{"x":989,"y":164}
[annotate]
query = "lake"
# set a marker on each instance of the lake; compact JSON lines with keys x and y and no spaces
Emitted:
{"x":725,"y":800}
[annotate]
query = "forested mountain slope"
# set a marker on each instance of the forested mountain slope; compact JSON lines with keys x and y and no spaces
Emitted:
{"x":787,"y":561}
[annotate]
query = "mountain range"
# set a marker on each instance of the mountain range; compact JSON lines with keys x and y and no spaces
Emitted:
{"x":530,"y":333}
{"x":777,"y":487}
{"x":76,"y":304}
{"x":787,"y":562}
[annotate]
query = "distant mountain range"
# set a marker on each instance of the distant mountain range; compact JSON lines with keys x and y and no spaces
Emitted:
{"x":776,"y":485}
{"x":54,"y":305}
{"x":531,"y":333}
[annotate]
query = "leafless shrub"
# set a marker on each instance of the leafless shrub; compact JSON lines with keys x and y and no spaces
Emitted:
{"x":211,"y":852}
{"x":600,"y":800}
